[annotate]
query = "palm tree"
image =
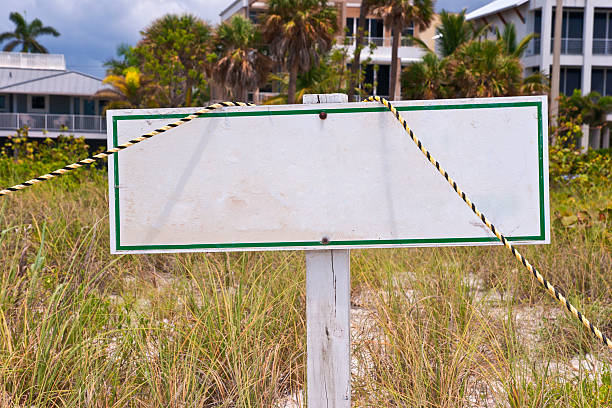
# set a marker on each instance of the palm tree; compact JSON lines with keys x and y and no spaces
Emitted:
{"x":455,"y":30}
{"x":483,"y":69}
{"x":25,"y":34}
{"x":242,"y":66}
{"x":127,"y":58}
{"x":508,"y":40}
{"x":129,"y":90}
{"x":298,"y":32}
{"x":398,"y":14}
{"x":426,"y":79}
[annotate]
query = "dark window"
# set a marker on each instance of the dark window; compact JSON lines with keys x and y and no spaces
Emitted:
{"x":409,"y":30}
{"x":89,"y":107}
{"x":349,"y":26}
{"x":572,"y":24}
{"x":575,"y":24}
{"x":608,"y":82}
{"x":376,"y":28}
{"x":369,"y":76}
{"x":383,"y":80}
{"x":609,"y":27}
{"x":537,"y":21}
{"x":597,"y":81}
{"x":38,"y":102}
{"x":77,"y":106}
{"x":2,"y":102}
{"x":254,"y":16}
{"x":101,"y":105}
{"x":599,"y":25}
{"x":570,"y":80}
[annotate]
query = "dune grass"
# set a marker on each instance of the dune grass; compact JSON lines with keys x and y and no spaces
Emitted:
{"x":435,"y":327}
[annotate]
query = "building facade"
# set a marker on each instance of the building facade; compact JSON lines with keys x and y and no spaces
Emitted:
{"x":378,"y":58}
{"x":586,"y":44}
{"x":37,"y":91}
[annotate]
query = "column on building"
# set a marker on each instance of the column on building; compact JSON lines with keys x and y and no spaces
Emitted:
{"x":587,"y":49}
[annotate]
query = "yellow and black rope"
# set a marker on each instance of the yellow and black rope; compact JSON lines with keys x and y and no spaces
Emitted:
{"x":105,"y":154}
{"x":547,"y":285}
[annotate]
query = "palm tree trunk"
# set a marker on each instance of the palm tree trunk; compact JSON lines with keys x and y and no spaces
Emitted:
{"x":244,"y":95}
{"x":293,"y":73}
{"x":356,"y":65}
{"x":394,"y":77}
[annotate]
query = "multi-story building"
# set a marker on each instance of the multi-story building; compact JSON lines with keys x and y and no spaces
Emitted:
{"x":378,"y":57}
{"x":37,"y":91}
{"x":586,"y":44}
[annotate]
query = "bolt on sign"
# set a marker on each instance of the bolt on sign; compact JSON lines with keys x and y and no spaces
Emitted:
{"x":329,"y":176}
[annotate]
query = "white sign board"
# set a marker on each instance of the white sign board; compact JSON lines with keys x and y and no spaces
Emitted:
{"x":281,"y":177}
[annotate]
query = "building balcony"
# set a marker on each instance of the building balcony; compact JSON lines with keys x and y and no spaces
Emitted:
{"x":569,"y":46}
{"x":351,"y":41}
{"x":32,"y":61}
{"x":602,"y":46}
{"x":54,"y":123}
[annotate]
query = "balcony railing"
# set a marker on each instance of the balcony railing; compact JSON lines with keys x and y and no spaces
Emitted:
{"x":52,"y":122}
{"x":602,"y":46}
{"x":571,"y":46}
{"x":378,"y":41}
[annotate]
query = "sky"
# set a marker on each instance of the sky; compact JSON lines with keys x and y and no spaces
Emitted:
{"x":91,"y":30}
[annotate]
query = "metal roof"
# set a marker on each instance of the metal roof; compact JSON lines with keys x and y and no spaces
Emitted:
{"x":48,"y":82}
{"x":494,"y":7}
{"x":11,"y":76}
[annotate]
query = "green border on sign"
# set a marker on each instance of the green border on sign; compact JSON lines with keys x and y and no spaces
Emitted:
{"x":292,"y":244}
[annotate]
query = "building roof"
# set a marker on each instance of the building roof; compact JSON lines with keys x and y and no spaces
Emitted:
{"x":11,"y":76}
{"x":48,"y":82}
{"x":494,"y":7}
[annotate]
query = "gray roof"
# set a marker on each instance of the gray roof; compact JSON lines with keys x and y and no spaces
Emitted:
{"x":494,"y":7}
{"x":49,"y":82}
{"x":11,"y":76}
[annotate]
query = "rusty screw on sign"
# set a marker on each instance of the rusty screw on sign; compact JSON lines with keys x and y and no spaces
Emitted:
{"x":325,"y":240}
{"x":323,"y":115}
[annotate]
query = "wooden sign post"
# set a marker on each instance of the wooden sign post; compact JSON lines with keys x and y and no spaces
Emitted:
{"x":325,"y":177}
{"x":328,"y":308}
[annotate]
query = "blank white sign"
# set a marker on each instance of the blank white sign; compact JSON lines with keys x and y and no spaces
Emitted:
{"x":280,"y":177}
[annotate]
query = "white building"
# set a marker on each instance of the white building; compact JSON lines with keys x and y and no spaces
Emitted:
{"x":586,"y":43}
{"x":37,"y":91}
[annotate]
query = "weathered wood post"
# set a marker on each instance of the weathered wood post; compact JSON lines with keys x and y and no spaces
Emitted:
{"x":328,"y":288}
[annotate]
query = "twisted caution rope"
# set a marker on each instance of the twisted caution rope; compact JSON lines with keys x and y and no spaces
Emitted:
{"x":109,"y":152}
{"x":547,"y":285}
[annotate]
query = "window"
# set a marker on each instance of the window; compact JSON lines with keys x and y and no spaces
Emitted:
{"x":3,"y":104}
{"x":602,"y":32}
{"x":350,"y":26}
{"x":378,"y":78}
{"x":601,"y":81}
{"x":374,"y":29}
{"x":37,"y":103}
{"x":537,"y":31}
{"x":89,"y":107}
{"x":570,"y":80}
{"x":572,"y":28}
